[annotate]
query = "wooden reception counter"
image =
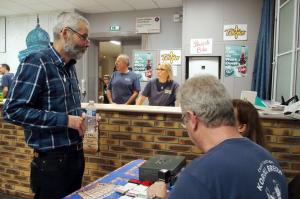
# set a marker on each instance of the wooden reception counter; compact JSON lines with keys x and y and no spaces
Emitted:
{"x":129,"y":132}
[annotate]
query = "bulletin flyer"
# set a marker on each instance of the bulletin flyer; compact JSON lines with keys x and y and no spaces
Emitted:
{"x":143,"y":63}
{"x":236,"y":61}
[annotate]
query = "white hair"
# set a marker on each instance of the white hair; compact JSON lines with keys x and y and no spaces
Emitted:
{"x":68,"y":19}
{"x":207,"y":97}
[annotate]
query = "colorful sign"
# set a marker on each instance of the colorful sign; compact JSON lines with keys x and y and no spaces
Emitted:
{"x":235,"y":32}
{"x":201,"y":46}
{"x":143,"y":64}
{"x":172,"y":57}
{"x":147,"y":24}
{"x":236,"y":61}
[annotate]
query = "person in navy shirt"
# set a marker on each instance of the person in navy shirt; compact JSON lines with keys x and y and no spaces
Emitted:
{"x":232,"y":166}
{"x":44,"y":98}
{"x":160,"y":91}
{"x":124,"y":85}
{"x":7,"y":78}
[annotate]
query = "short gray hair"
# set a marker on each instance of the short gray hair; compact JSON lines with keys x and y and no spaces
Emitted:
{"x":68,"y":19}
{"x":125,"y":58}
{"x":207,"y":97}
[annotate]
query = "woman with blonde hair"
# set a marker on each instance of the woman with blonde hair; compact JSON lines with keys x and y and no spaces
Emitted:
{"x":160,"y":91}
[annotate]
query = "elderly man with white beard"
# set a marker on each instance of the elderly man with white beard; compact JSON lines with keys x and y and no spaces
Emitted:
{"x":45,"y":100}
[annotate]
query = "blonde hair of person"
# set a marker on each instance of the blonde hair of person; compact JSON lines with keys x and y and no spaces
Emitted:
{"x":168,"y":69}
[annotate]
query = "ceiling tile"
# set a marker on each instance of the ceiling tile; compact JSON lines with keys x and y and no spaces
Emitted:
{"x":7,"y":12}
{"x":26,"y":2}
{"x":142,"y":4}
{"x":60,"y":4}
{"x":17,"y":7}
{"x":42,"y":7}
{"x":92,"y":9}
{"x":84,"y":3}
{"x":168,"y":3}
{"x":116,"y":5}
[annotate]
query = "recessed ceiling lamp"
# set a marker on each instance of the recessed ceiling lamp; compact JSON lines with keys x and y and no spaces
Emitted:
{"x":115,"y":42}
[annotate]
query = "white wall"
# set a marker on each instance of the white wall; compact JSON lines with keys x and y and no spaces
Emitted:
{"x":170,"y":35}
{"x":201,"y":19}
{"x":17,"y":28}
{"x":205,"y":19}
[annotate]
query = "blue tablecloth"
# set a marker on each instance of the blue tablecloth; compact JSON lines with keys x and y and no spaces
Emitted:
{"x":117,"y":177}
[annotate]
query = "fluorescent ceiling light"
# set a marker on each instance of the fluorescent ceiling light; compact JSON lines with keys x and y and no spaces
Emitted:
{"x":115,"y":42}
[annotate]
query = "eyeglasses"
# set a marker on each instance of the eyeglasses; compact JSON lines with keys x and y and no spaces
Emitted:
{"x":161,"y":69}
{"x":83,"y":37}
{"x":183,"y":121}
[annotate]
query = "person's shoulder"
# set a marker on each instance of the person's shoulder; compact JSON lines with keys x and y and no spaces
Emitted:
{"x":153,"y":81}
{"x":131,"y":73}
{"x":42,"y":55}
{"x":176,"y":84}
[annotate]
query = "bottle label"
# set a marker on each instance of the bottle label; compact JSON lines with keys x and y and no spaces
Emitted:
{"x":91,"y":112}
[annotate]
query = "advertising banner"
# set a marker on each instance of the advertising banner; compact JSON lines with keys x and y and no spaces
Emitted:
{"x":143,"y":62}
{"x":236,"y":61}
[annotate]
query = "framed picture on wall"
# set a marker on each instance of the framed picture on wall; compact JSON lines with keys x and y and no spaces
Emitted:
{"x":2,"y":34}
{"x":144,"y":63}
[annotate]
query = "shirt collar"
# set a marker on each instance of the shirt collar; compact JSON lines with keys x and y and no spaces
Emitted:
{"x":58,"y":60}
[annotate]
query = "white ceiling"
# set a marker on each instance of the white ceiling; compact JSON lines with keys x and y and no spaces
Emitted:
{"x":20,"y":7}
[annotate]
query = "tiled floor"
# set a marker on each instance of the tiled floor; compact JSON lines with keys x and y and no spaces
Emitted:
{"x":5,"y":196}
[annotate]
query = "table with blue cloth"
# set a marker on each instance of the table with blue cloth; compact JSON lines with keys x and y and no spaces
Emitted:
{"x":117,"y":177}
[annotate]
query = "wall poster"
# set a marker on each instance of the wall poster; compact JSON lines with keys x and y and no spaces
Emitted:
{"x":236,"y":61}
{"x":201,"y":46}
{"x":143,"y":63}
{"x":172,"y":57}
{"x":235,"y":32}
{"x":147,"y":24}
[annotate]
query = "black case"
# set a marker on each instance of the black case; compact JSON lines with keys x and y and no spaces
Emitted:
{"x":149,"y":170}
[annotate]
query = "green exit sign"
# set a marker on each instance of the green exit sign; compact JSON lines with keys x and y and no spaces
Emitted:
{"x":114,"y":28}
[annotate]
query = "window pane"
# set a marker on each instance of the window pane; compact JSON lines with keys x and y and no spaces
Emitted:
{"x":283,"y":77}
{"x":282,"y":1}
{"x":298,"y":75}
{"x":286,"y":20}
{"x":298,"y":25}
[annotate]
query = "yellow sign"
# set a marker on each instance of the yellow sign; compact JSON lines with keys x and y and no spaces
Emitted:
{"x":235,"y":32}
{"x":170,"y":57}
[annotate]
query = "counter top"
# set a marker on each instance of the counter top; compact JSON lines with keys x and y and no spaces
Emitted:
{"x":171,"y":110}
{"x":136,"y":108}
{"x":168,"y":110}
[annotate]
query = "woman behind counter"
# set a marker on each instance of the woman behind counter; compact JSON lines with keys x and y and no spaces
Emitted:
{"x":160,"y":91}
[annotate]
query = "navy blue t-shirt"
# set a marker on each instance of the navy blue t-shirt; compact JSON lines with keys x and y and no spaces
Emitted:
{"x":122,"y":86}
{"x":161,"y":94}
{"x":235,"y":169}
{"x":7,"y":79}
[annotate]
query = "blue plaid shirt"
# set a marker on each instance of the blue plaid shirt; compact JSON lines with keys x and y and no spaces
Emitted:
{"x":43,"y":93}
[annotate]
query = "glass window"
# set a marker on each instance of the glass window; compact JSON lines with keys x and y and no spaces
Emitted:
{"x":298,"y":24}
{"x":298,"y":74}
{"x":282,"y":1}
{"x":286,"y":21}
{"x":283,"y":77}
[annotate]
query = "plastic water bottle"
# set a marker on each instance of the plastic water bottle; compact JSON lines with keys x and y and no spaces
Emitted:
{"x":91,"y":117}
{"x":1,"y":94}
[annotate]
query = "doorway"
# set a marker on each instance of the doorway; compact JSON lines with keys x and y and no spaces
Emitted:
{"x":108,"y":53}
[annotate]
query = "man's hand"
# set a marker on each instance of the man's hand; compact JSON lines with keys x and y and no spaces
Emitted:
{"x":77,"y":122}
{"x":157,"y":190}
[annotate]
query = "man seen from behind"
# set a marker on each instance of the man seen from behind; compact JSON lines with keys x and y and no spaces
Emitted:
{"x":232,"y":166}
